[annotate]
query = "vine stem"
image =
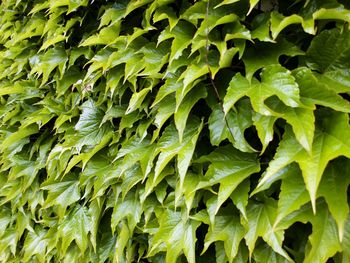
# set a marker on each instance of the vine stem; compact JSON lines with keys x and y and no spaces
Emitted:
{"x":210,"y":72}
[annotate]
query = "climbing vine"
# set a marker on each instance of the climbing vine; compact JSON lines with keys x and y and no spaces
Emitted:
{"x":174,"y":131}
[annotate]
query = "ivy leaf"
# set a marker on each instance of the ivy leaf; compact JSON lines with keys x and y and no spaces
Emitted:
{"x":314,"y":91}
{"x":113,"y":14}
{"x":293,"y":194}
{"x":226,"y":2}
{"x":237,"y":89}
{"x":227,"y":229}
{"x":260,"y":224}
{"x":265,"y":54}
{"x":240,"y":197}
{"x":182,"y":113}
{"x":178,"y":234}
{"x":263,"y":253}
{"x":62,"y":193}
{"x":301,"y":119}
{"x":99,"y":173}
{"x":35,"y":244}
{"x":229,"y":167}
{"x":231,"y":126}
{"x":106,"y":36}
{"x":45,"y":63}
{"x":137,"y":99}
{"x":169,"y":146}
{"x":252,"y":4}
{"x":346,"y":240}
{"x":75,"y":227}
{"x":165,"y":109}
{"x":275,"y":80}
{"x":89,"y":128}
{"x":279,"y":22}
{"x":329,"y":54}
{"x":182,"y":34}
{"x":129,"y":208}
{"x":72,"y":5}
{"x":333,"y":187}
{"x":264,"y":126}
{"x":324,"y":239}
{"x":261,"y":27}
{"x":327,"y":145}
{"x":23,"y":132}
{"x":171,"y":85}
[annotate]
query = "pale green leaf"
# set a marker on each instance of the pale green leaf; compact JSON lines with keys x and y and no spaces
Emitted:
{"x":293,"y":194}
{"x":178,"y":234}
{"x":265,"y":128}
{"x":328,"y":144}
{"x":279,"y":22}
{"x":43,"y":64}
{"x":314,"y":91}
{"x":62,"y":193}
{"x":129,"y":208}
{"x":76,"y":226}
{"x":265,"y":54}
{"x":182,"y":113}
{"x":324,"y":239}
{"x":329,"y":54}
{"x":263,"y":253}
{"x":260,"y":224}
{"x":227,"y":229}
{"x":333,"y":187}
{"x":229,"y":167}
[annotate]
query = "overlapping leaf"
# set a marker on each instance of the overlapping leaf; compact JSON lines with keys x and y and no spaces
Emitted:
{"x":170,"y":131}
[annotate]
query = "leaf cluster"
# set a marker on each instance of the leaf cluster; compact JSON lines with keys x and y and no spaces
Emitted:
{"x":174,"y":131}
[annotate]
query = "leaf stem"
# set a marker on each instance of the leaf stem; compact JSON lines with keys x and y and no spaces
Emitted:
{"x":210,"y":72}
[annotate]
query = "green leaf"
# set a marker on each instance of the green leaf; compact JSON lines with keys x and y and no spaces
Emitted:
{"x":129,"y":208}
{"x":324,"y":239}
{"x":260,"y":224}
{"x":137,"y":99}
{"x":62,"y":193}
{"x":275,"y":81}
{"x":106,"y":36}
{"x":178,"y":234}
{"x":169,"y":146}
{"x":302,"y":121}
{"x":182,"y":112}
{"x":182,"y":34}
{"x":265,"y":54}
{"x":293,"y":194}
{"x":227,"y":229}
{"x":23,"y":132}
{"x":346,"y":240}
{"x":240,"y":197}
{"x":75,"y":227}
{"x":231,"y":126}
{"x":327,"y":145}
{"x":265,"y":128}
{"x":263,"y":253}
{"x":314,"y":91}
{"x":279,"y":22}
{"x":333,"y":187}
{"x":89,"y":128}
{"x":35,"y":244}
{"x":252,"y":4}
{"x":237,"y":89}
{"x":44,"y":64}
{"x":329,"y":54}
{"x":229,"y":167}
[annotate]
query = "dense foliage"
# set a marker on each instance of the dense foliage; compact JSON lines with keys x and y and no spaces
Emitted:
{"x":174,"y":131}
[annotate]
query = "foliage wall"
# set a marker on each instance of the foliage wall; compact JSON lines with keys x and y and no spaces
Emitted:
{"x":174,"y":131}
